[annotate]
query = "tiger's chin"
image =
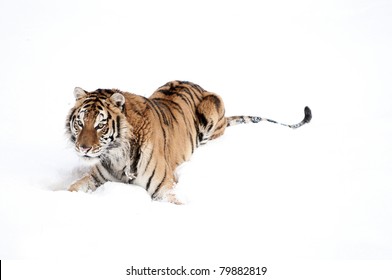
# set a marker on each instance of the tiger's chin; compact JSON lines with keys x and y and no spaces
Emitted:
{"x":90,"y":160}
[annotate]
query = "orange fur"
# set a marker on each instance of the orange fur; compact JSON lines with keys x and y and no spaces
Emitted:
{"x":155,"y":134}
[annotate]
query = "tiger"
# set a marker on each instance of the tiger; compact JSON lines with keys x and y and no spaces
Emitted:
{"x":137,"y":140}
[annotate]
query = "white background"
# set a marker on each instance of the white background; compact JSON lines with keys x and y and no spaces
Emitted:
{"x":259,"y":194}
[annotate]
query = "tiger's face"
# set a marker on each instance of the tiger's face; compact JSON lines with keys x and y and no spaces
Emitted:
{"x":92,"y":132}
{"x":94,"y":122}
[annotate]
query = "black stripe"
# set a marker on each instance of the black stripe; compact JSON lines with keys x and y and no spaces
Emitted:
{"x":193,"y":85}
{"x":105,"y":162}
{"x":100,"y":174}
{"x":162,"y":105}
{"x":111,"y":137}
{"x":196,"y":126}
{"x":136,"y":154}
{"x":97,"y":183}
{"x":149,"y":179}
{"x":199,"y":88}
{"x":167,"y":92}
{"x":181,"y":90}
{"x":222,"y":117}
{"x":118,"y":126}
{"x":70,"y":120}
{"x":163,"y":115}
{"x":272,"y":121}
{"x":159,"y":185}
{"x":196,"y":93}
{"x":93,"y":101}
{"x":210,"y":126}
{"x":200,"y":137}
{"x":202,"y":119}
{"x":191,"y":127}
{"x":156,"y":109}
{"x":164,"y":140}
{"x":174,"y":105}
{"x":183,"y":97}
{"x":153,"y":107}
{"x":191,"y":95}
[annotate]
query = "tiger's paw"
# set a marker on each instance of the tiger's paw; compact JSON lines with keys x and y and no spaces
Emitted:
{"x":82,"y":185}
{"x":169,"y":196}
{"x":172,"y":198}
{"x":76,"y":188}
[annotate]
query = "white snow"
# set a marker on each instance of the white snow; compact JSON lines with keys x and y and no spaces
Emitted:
{"x":260,"y":192}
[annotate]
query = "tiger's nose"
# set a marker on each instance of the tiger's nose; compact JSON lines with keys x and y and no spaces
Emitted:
{"x":84,"y":149}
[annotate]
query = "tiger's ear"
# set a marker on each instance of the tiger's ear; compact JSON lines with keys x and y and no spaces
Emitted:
{"x":79,"y":93}
{"x":118,"y":99}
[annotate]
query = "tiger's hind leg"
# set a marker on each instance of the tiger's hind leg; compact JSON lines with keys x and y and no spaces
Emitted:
{"x":211,"y":115}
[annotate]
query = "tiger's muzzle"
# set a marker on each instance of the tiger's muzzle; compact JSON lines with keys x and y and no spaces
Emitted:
{"x":88,"y":151}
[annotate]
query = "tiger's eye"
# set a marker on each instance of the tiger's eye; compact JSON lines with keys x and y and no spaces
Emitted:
{"x":80,"y":123}
{"x":100,"y":125}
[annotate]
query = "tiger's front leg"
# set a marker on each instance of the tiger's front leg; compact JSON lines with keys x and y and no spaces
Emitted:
{"x":166,"y":191}
{"x":167,"y":194}
{"x":84,"y":184}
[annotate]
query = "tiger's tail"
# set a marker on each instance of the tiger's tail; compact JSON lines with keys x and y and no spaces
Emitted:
{"x":249,"y":119}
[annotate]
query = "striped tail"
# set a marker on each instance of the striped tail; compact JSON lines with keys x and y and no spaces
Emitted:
{"x":248,"y":119}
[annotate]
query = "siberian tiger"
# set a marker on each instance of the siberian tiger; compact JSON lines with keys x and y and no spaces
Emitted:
{"x":138,"y":140}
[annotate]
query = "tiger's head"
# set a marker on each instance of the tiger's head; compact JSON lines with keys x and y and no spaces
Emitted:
{"x":95,"y":124}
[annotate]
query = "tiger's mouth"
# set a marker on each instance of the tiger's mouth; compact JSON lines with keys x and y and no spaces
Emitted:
{"x":89,"y":156}
{"x":90,"y":159}
{"x":88,"y":153}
